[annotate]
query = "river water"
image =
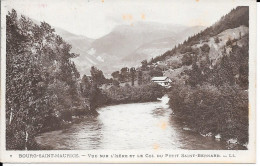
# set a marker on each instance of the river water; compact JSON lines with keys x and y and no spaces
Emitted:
{"x":130,"y":126}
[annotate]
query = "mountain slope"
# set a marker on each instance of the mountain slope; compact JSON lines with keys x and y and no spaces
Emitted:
{"x":158,"y":47}
{"x":127,"y":45}
{"x":226,"y":38}
{"x":80,"y":45}
{"x":210,"y":73}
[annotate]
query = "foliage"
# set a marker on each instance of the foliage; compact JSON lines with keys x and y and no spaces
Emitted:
{"x":214,"y":98}
{"x":156,"y":72}
{"x":41,"y":80}
{"x":237,"y":17}
{"x":134,"y":94}
{"x":97,"y":76}
{"x":96,"y":99}
{"x":216,"y":39}
{"x":132,"y":72}
{"x":222,"y":110}
{"x":115,"y":74}
{"x":140,"y":77}
{"x":115,"y":83}
{"x":85,"y":86}
{"x":144,"y":64}
{"x":186,"y":60}
{"x":205,"y":48}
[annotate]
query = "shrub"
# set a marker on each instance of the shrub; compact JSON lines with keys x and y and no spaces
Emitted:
{"x":216,"y":40}
{"x":222,"y":110}
{"x":186,"y":60}
{"x":205,"y":48}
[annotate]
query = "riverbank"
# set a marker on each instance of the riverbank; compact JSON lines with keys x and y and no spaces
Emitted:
{"x":78,"y":119}
{"x":220,"y":113}
{"x":65,"y":125}
{"x":133,"y":126}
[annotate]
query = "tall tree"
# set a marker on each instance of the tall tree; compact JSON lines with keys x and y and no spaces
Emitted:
{"x":97,"y":76}
{"x":40,"y":80}
{"x":140,"y":77}
{"x":144,"y":64}
{"x":115,"y":74}
{"x":132,"y":71}
{"x":85,"y":86}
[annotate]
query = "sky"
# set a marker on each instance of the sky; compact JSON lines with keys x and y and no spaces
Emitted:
{"x":96,"y":18}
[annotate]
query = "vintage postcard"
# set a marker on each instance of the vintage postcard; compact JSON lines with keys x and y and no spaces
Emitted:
{"x":128,"y":81}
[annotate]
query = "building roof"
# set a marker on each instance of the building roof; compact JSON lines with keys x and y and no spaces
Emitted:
{"x":159,"y":78}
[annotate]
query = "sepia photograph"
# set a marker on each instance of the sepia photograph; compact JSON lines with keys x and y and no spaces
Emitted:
{"x":128,"y":77}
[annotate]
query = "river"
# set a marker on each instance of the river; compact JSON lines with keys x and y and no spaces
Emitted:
{"x":130,"y":126}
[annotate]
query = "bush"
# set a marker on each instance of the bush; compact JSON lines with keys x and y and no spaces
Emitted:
{"x":80,"y":111}
{"x":186,"y":60}
{"x":205,"y":48}
{"x":222,"y":110}
{"x":216,"y":40}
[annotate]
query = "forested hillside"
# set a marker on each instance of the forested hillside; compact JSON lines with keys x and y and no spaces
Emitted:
{"x":210,"y":78}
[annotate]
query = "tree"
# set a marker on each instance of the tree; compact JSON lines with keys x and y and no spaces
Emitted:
{"x":115,"y":83}
{"x":115,"y":74}
{"x":144,"y":64}
{"x":40,"y":80}
{"x":97,"y":76}
{"x":223,"y":74}
{"x":216,"y":39}
{"x":140,"y":77}
{"x":229,"y":42}
{"x":124,"y":74}
{"x":195,"y":76}
{"x":124,"y":70}
{"x":132,"y":71}
{"x":156,"y":72}
{"x":85,"y":86}
{"x":186,"y":60}
{"x":205,"y":48}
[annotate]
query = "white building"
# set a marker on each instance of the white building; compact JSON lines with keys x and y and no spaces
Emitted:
{"x":163,"y":81}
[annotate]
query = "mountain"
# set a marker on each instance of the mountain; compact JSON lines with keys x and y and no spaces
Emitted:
{"x":125,"y":39}
{"x":224,"y":42}
{"x":127,"y":45}
{"x":77,"y":41}
{"x":158,"y":47}
{"x":80,"y":45}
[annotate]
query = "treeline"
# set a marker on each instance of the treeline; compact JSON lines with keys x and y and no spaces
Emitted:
{"x":134,"y":94}
{"x":42,"y":87}
{"x":142,"y":74}
{"x":117,"y":94}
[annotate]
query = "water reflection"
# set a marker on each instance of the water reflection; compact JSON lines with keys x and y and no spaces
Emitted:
{"x":85,"y":135}
{"x":129,"y":126}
